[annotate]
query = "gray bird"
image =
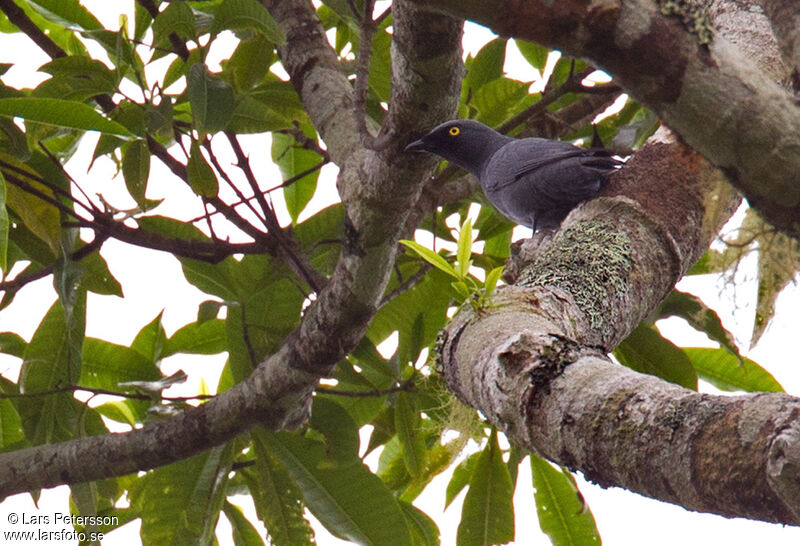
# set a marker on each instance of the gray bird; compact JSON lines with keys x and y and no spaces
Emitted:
{"x":534,"y":182}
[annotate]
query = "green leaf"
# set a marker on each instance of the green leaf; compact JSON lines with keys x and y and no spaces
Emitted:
{"x":485,"y":67}
{"x":49,"y":362}
{"x":97,"y":277}
{"x":201,"y":176}
{"x":105,"y":365}
{"x":13,"y":140}
{"x":293,"y":161}
{"x":177,"y":19}
{"x":149,"y":342}
{"x":203,"y":338}
{"x":12,"y":344}
{"x":460,"y":478}
{"x":11,"y":434}
{"x":723,"y":370}
{"x":492,"y":277}
{"x":347,"y":498}
{"x":408,"y":425}
{"x":250,"y":61}
{"x":424,"y":531}
{"x":61,"y":113}
{"x":180,"y":503}
{"x":646,"y":351}
{"x":136,"y":170}
{"x":211,"y":99}
{"x":244,"y":534}
{"x":563,"y":513}
{"x":535,"y":54}
{"x":380,"y":66}
{"x":277,"y":499}
{"x":701,"y":317}
{"x":67,"y":13}
{"x":431,"y":257}
{"x":239,"y":14}
{"x":464,"y":248}
{"x":339,"y":429}
{"x":498,"y":99}
{"x":253,"y":116}
{"x":5,"y":223}
{"x":488,"y":513}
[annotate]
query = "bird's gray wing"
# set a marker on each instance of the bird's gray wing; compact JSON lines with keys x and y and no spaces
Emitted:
{"x":533,"y":164}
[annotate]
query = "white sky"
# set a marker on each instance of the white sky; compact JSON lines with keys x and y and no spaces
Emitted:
{"x":153,"y":282}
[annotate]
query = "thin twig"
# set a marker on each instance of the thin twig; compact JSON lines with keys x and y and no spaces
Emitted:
{"x":405,"y":386}
{"x":96,"y":391}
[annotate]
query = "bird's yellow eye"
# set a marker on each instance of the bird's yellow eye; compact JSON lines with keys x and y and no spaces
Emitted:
{"x":454,"y":131}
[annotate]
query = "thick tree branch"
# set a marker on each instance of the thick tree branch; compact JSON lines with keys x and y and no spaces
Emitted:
{"x":785,"y":19}
{"x":533,"y":361}
{"x":278,"y":392}
{"x":709,"y":93}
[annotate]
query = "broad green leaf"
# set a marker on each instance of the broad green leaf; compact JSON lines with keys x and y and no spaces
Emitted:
{"x":62,"y":113}
{"x":204,"y":338}
{"x":239,"y":14}
{"x":407,"y":423}
{"x":380,"y":66}
{"x":149,"y":342}
{"x":177,"y":19}
{"x":211,"y":98}
{"x":485,"y":67}
{"x":105,"y":365}
{"x":563,"y":513}
{"x":424,"y":531}
{"x":535,"y":54}
{"x":253,"y":116}
{"x":726,"y":372}
{"x":180,"y":503}
{"x":429,"y":298}
{"x":464,"y":248}
{"x":339,"y":429}
{"x":460,"y":478}
{"x":208,"y":310}
{"x":488,"y":513}
{"x":11,"y":434}
{"x":4,"y":225}
{"x":431,"y":257}
{"x":48,"y":363}
{"x":293,"y":161}
{"x":12,"y":344}
{"x":136,"y":170}
{"x":39,"y":217}
{"x":201,"y":176}
{"x":244,"y":534}
{"x":97,"y":277}
{"x":347,"y":498}
{"x":250,"y":61}
{"x":498,"y":99}
{"x":492,"y":277}
{"x":646,"y":351}
{"x":67,"y":13}
{"x":93,"y":73}
{"x":13,"y":140}
{"x":277,"y":499}
{"x":701,"y":317}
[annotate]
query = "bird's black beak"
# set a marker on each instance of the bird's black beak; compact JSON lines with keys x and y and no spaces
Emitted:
{"x":417,"y":146}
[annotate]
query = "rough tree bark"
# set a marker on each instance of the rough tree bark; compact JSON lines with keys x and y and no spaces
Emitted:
{"x":378,"y":190}
{"x":538,"y":370}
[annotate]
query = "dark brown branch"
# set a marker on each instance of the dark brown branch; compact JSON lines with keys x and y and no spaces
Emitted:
{"x":405,"y":386}
{"x":178,"y":45}
{"x":96,"y":391}
{"x":20,"y":20}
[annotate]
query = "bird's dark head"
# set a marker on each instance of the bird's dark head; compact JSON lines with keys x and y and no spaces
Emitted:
{"x":465,"y":142}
